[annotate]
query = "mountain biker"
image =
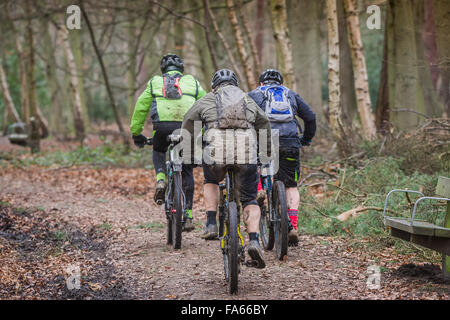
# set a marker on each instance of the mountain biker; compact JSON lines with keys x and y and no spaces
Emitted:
{"x":213,"y":110}
{"x":168,"y":98}
{"x":281,"y":105}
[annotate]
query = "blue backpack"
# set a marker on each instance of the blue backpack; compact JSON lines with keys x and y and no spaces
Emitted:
{"x":277,"y":105}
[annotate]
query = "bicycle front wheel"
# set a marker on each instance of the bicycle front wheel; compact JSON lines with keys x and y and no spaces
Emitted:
{"x":232,"y":258}
{"x":177,"y":211}
{"x":282,"y":219}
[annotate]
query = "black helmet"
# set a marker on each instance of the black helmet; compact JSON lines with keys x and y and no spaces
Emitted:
{"x":171,"y":62}
{"x":224,"y":75}
{"x":271,"y":74}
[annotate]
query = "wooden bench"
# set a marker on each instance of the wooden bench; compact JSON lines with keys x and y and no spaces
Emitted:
{"x":423,"y":233}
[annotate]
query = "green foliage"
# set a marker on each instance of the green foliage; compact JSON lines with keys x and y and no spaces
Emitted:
{"x":151,"y":226}
{"x":367,"y":186}
{"x":105,"y":155}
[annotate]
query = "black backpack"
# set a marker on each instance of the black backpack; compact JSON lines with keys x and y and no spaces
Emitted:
{"x":171,"y":86}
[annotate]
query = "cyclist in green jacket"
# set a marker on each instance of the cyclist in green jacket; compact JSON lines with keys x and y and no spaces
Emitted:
{"x":167,"y":98}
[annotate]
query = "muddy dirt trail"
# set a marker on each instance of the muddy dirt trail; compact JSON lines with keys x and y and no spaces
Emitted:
{"x":114,"y":207}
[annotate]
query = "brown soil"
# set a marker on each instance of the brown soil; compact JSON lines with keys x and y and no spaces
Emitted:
{"x":108,"y":225}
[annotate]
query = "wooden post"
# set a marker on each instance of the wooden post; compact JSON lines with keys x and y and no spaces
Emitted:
{"x":443,"y":190}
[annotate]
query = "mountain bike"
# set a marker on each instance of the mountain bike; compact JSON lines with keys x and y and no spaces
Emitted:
{"x":274,"y":221}
{"x":175,"y":200}
{"x":231,"y":240}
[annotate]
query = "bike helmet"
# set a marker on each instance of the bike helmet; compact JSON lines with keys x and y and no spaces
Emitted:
{"x":271,"y":75}
{"x":224,"y":75}
{"x":171,"y":62}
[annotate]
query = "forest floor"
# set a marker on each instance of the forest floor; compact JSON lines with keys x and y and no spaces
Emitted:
{"x":104,"y":221}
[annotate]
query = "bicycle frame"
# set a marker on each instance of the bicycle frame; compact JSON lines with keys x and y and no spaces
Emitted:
{"x":224,"y":201}
{"x":171,"y":168}
{"x":267,"y":185}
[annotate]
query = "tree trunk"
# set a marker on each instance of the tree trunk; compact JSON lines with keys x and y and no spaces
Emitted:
{"x":244,"y":57}
{"x":360,"y":71}
{"x":347,"y":79}
{"x":433,"y":107}
{"x":307,"y":58}
{"x":52,"y":79}
{"x":251,"y":40}
{"x":34,"y":136}
{"x":431,"y":51}
{"x":105,"y":77}
{"x":404,"y":85}
{"x":230,"y":56}
{"x":382,"y":108}
{"x":335,"y":108}
{"x":74,"y":85}
{"x":179,"y":33}
{"x":10,"y":109}
{"x":205,"y":62}
{"x":442,"y":18}
{"x":76,"y":48}
{"x":131,"y":70}
{"x":212,"y":52}
{"x":259,"y":43}
{"x":24,"y":104}
{"x":281,"y":35}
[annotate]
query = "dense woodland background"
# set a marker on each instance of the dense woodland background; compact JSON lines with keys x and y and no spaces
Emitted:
{"x":359,"y":81}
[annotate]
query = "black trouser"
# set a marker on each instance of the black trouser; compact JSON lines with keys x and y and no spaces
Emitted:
{"x":161,"y":131}
{"x":247,"y":180}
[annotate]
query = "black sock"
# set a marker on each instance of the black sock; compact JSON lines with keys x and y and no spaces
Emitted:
{"x":253,"y":236}
{"x":211,"y":217}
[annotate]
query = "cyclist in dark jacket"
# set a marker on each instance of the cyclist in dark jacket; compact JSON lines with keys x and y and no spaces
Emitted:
{"x":281,"y":106}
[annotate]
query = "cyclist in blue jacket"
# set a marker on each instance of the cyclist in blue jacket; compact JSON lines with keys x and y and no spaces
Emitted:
{"x":281,"y":106}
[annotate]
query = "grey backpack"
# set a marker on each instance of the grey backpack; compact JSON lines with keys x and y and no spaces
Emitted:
{"x":231,"y":105}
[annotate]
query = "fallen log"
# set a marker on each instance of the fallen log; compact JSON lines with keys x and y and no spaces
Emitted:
{"x":357,"y":211}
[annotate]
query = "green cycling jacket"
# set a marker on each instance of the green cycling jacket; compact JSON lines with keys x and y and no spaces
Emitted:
{"x":163,"y":109}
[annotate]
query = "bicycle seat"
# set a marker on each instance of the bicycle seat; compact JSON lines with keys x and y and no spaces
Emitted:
{"x":174,"y":138}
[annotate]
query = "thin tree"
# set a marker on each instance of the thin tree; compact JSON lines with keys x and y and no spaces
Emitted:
{"x":105,"y":76}
{"x":25,"y":110}
{"x":281,"y":34}
{"x":442,"y":14}
{"x":240,"y":44}
{"x":223,"y":40}
{"x":74,"y":85}
{"x":9,"y":104}
{"x":307,"y":58}
{"x":251,"y":40}
{"x":334,"y":103}
{"x":360,"y":71}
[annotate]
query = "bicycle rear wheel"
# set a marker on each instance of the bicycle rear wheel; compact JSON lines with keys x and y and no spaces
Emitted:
{"x":177,"y":211}
{"x":266,"y":227}
{"x":282,"y":223}
{"x":232,"y":259}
